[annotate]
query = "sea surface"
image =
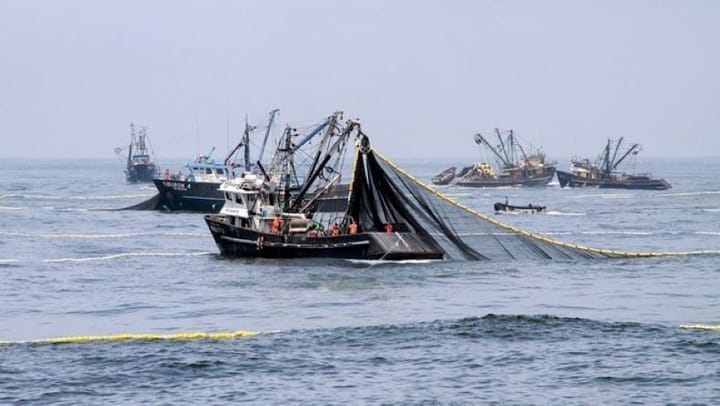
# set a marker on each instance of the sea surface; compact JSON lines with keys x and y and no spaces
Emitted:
{"x":336,"y":332}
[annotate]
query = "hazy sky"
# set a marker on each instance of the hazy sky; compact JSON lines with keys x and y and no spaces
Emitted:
{"x":422,"y":76}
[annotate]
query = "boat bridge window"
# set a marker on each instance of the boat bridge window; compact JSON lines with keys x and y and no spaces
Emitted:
{"x":208,"y":171}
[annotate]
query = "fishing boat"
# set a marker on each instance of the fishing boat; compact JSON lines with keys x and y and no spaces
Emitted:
{"x":500,"y":207}
{"x":604,"y":174}
{"x":514,"y":166}
{"x":261,"y":218}
{"x":444,"y":177}
{"x":196,"y":188}
{"x":140,"y":167}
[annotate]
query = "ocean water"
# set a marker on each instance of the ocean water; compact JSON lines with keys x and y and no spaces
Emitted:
{"x":335,"y":332}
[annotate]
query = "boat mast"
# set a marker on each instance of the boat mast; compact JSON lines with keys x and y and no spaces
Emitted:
{"x":504,"y":149}
{"x":287,"y":162}
{"x":246,"y":141}
{"x":330,"y":123}
{"x":328,"y":155}
{"x":606,"y":159}
{"x":626,"y":154}
{"x":617,"y":147}
{"x":480,"y":140}
{"x":267,"y":133}
{"x":132,"y":142}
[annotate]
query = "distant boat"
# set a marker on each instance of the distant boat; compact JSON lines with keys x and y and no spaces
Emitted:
{"x":603,"y":172}
{"x":515,"y":166}
{"x":140,"y":167}
{"x":509,"y":208}
{"x":444,"y":177}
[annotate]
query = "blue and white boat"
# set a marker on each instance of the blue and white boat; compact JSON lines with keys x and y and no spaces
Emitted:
{"x":196,"y":189}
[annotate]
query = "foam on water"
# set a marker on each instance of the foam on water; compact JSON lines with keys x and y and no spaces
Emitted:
{"x":130,"y":254}
{"x":562,"y":213}
{"x":690,"y":194}
{"x":101,"y":236}
{"x":75,"y":197}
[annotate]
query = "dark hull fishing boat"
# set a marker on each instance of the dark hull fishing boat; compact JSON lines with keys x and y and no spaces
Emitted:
{"x":603,"y":173}
{"x":643,"y":182}
{"x":261,"y":219}
{"x":516,"y":167}
{"x":500,"y":207}
{"x":444,"y":177}
{"x":242,"y":242}
{"x":196,"y":190}
{"x":139,"y":167}
{"x":479,"y":181}
{"x":178,"y":194}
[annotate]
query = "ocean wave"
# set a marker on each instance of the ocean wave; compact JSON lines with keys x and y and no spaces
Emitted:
{"x":604,"y":196}
{"x":686,"y":194}
{"x":179,"y":336}
{"x":100,"y":236}
{"x":10,"y":208}
{"x":60,"y":197}
{"x":374,"y":262}
{"x":127,"y":255}
{"x":560,"y":213}
{"x":604,"y":232}
{"x":714,"y":327}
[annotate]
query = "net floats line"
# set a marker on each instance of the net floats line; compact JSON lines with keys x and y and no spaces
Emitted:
{"x":715,"y":327}
{"x":535,"y":236}
{"x":182,"y":336}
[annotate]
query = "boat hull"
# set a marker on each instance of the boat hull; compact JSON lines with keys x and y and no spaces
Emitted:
{"x":633,"y":182}
{"x":185,"y":195}
{"x":140,"y":173}
{"x":234,"y":241}
{"x":540,"y":180}
{"x":444,"y":177}
{"x":508,"y":208}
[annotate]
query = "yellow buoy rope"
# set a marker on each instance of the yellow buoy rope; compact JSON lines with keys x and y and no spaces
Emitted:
{"x":715,"y":327}
{"x":182,"y":336}
{"x":539,"y":237}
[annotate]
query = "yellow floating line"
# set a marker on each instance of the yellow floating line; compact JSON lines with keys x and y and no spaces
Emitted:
{"x":715,"y":327}
{"x":532,"y":235}
{"x":185,"y":336}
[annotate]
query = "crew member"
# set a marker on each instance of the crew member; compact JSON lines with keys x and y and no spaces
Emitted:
{"x":275,"y":225}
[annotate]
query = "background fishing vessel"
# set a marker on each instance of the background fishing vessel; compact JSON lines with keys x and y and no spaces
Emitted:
{"x":604,"y":174}
{"x":515,"y":167}
{"x":140,"y":165}
{"x":197,"y":188}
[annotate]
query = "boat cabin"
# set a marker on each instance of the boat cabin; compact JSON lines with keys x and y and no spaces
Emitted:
{"x":204,"y":169}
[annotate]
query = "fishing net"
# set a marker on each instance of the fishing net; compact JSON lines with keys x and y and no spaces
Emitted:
{"x":385,"y":194}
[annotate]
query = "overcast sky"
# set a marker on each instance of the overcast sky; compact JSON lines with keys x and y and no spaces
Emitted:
{"x":422,"y":76}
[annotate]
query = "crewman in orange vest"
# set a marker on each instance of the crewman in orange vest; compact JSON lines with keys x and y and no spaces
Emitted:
{"x":352,"y":228}
{"x":334,"y":230}
{"x":276,"y":225}
{"x":388,"y":228}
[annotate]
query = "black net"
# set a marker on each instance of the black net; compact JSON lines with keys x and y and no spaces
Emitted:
{"x":384,"y":193}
